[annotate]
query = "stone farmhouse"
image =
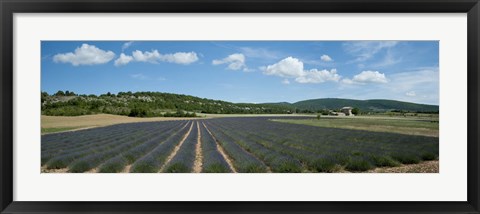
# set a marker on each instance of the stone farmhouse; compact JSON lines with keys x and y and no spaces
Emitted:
{"x":345,"y":111}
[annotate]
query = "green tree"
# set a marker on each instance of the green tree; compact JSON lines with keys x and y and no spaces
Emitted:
{"x":69,"y":93}
{"x":44,"y":96}
{"x":355,"y":111}
{"x":60,"y":93}
{"x":137,"y":112}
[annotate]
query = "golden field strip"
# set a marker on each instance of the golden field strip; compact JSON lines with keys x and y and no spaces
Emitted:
{"x":409,"y":125}
{"x":52,"y":124}
{"x":400,"y":125}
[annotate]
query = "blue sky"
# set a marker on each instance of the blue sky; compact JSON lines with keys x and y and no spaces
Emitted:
{"x":247,"y":71}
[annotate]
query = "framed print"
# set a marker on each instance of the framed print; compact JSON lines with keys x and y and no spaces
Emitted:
{"x":252,"y":107}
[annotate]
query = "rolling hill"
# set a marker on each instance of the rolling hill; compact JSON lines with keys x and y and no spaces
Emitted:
{"x":375,"y":105}
{"x":154,"y":104}
{"x":147,"y":104}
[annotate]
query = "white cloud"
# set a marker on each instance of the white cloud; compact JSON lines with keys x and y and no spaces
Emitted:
{"x":370,"y":76}
{"x":367,"y":77}
{"x":286,"y":82}
{"x":288,"y":67}
{"x":151,"y":57}
{"x":183,"y":58}
{"x":235,"y":62}
{"x":293,"y":68}
{"x":85,"y":55}
{"x":424,"y":82}
{"x":411,"y":94}
{"x":123,"y":60}
{"x":316,"y":76}
{"x":154,"y":57}
{"x":126,"y":45}
{"x":326,"y":58}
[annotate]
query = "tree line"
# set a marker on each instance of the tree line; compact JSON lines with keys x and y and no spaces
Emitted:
{"x":147,"y":104}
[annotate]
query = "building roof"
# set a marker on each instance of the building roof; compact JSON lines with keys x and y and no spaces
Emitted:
{"x":347,"y":107}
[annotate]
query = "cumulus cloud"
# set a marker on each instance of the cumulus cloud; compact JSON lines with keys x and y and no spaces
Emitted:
{"x":316,"y":76}
{"x":183,"y":58}
{"x":367,"y":77}
{"x":293,"y":68}
{"x":123,"y":60}
{"x":326,"y":58}
{"x":370,"y":77}
{"x":155,"y":57}
{"x":85,"y":55}
{"x":288,"y":67}
{"x":235,"y":62}
{"x":151,"y":57}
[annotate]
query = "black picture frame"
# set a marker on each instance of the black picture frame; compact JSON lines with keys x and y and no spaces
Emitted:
{"x":9,"y":7}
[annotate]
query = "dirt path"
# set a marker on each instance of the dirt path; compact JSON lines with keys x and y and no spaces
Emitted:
{"x":45,"y":170}
{"x":127,"y":169}
{"x":267,"y":168}
{"x":175,"y":150}
{"x":148,"y":153}
{"x":94,"y":170}
{"x":221,"y":151}
{"x":197,"y":165}
{"x":423,"y":167}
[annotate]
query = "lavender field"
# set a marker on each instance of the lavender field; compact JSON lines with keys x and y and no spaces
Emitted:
{"x":229,"y":145}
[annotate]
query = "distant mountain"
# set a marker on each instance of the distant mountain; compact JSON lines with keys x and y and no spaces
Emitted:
{"x":285,"y":104}
{"x":376,"y":105}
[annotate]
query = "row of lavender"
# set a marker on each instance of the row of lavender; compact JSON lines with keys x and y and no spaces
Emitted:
{"x":252,"y":144}
{"x":259,"y":144}
{"x":137,"y":147}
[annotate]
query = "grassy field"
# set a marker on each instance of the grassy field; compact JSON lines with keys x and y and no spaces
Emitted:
{"x":59,"y":129}
{"x":409,"y":125}
{"x":52,"y":124}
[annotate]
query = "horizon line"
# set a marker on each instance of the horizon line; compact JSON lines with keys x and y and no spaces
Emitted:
{"x":268,"y":102}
